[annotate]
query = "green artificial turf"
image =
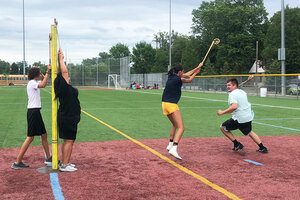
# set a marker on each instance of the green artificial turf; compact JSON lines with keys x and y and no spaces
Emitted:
{"x":139,"y":115}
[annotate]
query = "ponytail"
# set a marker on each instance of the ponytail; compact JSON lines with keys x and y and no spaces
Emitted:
{"x":174,"y":70}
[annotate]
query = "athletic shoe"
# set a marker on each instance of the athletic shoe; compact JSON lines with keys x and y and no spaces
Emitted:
{"x":173,"y":152}
{"x":48,"y":161}
{"x":67,"y":168}
{"x":169,"y":146}
{"x":240,"y":146}
{"x":60,"y":163}
{"x":263,"y":150}
{"x":19,"y":165}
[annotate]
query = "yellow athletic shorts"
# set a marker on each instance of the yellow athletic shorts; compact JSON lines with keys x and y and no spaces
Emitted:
{"x":169,"y":108}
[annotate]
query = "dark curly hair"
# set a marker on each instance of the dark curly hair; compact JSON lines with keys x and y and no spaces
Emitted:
{"x":33,"y":73}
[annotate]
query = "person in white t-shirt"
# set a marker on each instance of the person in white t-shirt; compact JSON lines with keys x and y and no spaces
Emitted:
{"x":35,"y":124}
{"x":241,"y":117}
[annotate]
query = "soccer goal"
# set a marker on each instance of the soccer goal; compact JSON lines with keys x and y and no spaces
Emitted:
{"x":114,"y":81}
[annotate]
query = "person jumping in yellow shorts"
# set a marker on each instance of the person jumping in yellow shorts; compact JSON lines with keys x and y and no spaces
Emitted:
{"x":170,"y":98}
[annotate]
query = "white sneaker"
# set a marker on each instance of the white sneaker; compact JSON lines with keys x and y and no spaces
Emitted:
{"x":173,"y":152}
{"x":71,"y":164}
{"x":60,"y":163}
{"x":67,"y":168}
{"x":169,"y":146}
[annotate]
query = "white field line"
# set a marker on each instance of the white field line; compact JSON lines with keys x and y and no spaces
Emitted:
{"x":256,"y":104}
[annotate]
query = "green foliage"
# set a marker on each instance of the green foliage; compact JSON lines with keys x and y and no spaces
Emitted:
{"x":143,"y":57}
{"x":119,"y":51}
{"x":161,"y":61}
{"x":292,"y":41}
{"x":4,"y":67}
{"x":43,"y":67}
{"x":104,"y":55}
{"x":238,"y":24}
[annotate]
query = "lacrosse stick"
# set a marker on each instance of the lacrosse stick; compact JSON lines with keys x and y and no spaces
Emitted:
{"x":216,"y":41}
{"x":249,"y":78}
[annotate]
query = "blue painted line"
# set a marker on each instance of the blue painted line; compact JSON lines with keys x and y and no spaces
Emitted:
{"x":291,"y":129}
{"x":253,"y":162}
{"x":56,"y":189}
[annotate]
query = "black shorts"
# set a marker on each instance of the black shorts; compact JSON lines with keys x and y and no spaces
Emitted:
{"x":67,"y":127}
{"x":35,"y":124}
{"x":232,"y":124}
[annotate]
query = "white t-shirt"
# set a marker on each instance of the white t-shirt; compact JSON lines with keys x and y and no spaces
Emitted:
{"x":243,"y":112}
{"x":33,"y":92}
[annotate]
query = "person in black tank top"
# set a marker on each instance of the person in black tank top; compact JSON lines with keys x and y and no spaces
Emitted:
{"x":68,"y":114}
{"x":170,"y":98}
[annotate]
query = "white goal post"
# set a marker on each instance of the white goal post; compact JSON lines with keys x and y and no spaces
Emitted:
{"x":115,"y":79}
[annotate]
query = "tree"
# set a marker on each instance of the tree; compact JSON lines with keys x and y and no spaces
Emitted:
{"x":104,"y":55}
{"x":238,"y":24}
{"x":39,"y":64}
{"x":292,"y":42}
{"x":14,"y":69}
{"x":143,"y":57}
{"x":161,"y":61}
{"x":178,"y":47}
{"x":4,"y":67}
{"x":119,"y":51}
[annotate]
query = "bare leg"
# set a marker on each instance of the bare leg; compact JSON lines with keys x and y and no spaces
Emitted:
{"x":179,"y":125}
{"x":173,"y":129}
{"x":67,"y":151}
{"x":255,"y":137}
{"x":228,"y":134}
{"x":45,"y":145}
{"x":24,"y":148}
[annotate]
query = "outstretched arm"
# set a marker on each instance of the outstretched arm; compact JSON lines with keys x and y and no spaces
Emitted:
{"x":191,"y":77}
{"x":62,"y":66}
{"x":45,"y":78}
{"x":189,"y":73}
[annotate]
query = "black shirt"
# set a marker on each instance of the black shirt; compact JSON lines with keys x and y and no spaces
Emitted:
{"x":69,"y":105}
{"x":172,"y":91}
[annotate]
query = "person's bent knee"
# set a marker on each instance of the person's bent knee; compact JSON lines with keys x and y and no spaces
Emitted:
{"x":181,"y":128}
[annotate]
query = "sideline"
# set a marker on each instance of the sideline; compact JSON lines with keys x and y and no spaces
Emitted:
{"x":187,"y":171}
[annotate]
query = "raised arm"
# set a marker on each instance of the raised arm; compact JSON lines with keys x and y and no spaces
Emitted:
{"x":45,"y":78}
{"x":189,"y":73}
{"x":191,"y":77}
{"x":62,"y":66}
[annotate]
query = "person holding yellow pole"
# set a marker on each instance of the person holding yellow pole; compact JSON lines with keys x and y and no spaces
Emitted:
{"x":35,"y":123}
{"x":68,"y":114}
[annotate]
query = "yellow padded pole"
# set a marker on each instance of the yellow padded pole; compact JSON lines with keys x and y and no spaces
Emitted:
{"x":54,"y":100}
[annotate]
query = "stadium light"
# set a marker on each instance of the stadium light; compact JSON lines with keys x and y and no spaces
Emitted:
{"x":24,"y":45}
{"x":170,"y":39}
{"x":282,"y":52}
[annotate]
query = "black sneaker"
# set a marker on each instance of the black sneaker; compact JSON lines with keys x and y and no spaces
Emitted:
{"x":19,"y":165}
{"x":240,"y":146}
{"x":263,"y":150}
{"x":48,"y":161}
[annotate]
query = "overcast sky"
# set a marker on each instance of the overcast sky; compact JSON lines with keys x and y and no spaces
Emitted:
{"x":92,"y":26}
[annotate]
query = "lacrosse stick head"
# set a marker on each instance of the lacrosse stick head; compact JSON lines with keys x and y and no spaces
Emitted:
{"x":250,"y":77}
{"x":216,"y":41}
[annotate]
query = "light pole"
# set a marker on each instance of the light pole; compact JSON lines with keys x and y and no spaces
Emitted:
{"x":170,"y":39}
{"x":282,"y":51}
{"x":24,"y":45}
